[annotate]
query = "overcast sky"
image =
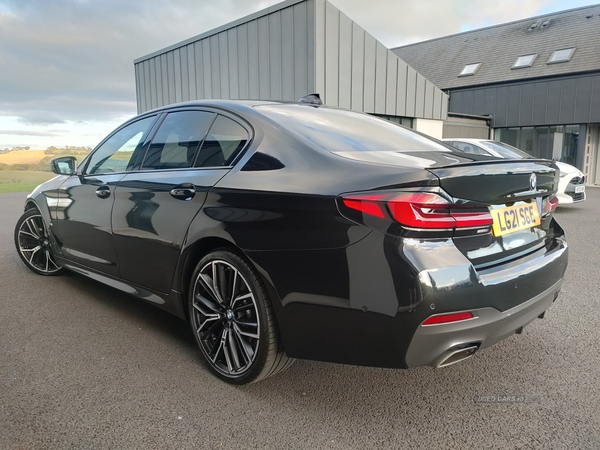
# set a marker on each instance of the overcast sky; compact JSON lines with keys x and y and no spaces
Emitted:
{"x":66,"y":66}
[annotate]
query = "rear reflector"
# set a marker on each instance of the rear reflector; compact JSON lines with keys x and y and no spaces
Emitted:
{"x":448,"y":318}
{"x":421,"y":210}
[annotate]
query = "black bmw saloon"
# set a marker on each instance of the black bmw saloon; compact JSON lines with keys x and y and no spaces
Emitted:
{"x":293,"y":230}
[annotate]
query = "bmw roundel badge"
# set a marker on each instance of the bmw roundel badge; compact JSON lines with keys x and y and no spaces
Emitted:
{"x":533,"y":182}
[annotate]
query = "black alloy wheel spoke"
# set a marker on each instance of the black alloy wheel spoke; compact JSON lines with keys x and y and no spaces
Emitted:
{"x":34,"y":246}
{"x":225,"y":318}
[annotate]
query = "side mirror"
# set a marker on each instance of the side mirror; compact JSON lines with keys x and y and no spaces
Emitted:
{"x":64,"y":165}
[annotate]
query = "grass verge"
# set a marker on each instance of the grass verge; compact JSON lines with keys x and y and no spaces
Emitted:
{"x":21,"y":181}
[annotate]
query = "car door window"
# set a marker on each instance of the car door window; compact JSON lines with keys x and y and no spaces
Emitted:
{"x":177,"y":140}
{"x":116,"y":152}
{"x":223,"y":143}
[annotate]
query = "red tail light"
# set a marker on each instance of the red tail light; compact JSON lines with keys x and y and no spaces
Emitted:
{"x":549,"y":205}
{"x":448,"y":318}
{"x":422,"y":210}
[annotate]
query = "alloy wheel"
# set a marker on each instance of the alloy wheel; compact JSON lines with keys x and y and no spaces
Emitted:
{"x":34,"y":246}
{"x":225,"y":318}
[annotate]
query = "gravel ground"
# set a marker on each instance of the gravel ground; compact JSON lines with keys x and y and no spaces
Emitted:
{"x":85,"y":366}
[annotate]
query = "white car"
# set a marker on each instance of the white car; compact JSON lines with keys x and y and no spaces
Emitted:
{"x":571,"y":187}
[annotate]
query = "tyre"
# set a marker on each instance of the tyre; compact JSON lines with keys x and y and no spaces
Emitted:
{"x":233,"y":321}
{"x":31,"y":240}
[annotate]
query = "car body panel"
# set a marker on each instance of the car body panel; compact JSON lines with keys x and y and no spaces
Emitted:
{"x":343,"y":290}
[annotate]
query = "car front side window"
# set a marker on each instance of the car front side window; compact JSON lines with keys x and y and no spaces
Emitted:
{"x":116,"y":152}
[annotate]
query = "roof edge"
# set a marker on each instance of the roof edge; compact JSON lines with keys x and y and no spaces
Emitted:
{"x":527,"y":19}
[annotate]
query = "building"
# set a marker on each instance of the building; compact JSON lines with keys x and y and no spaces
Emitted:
{"x":538,"y":81}
{"x":285,"y":52}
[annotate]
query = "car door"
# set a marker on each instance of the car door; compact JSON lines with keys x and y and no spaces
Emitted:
{"x":155,"y":205}
{"x":83,"y":212}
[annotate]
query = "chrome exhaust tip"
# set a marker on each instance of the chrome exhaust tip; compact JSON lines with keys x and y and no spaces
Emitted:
{"x":456,"y":356}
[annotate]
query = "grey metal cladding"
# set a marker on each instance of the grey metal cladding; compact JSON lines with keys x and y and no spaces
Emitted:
{"x":262,"y":56}
{"x":283,"y":53}
{"x":557,"y":101}
{"x":498,"y":47}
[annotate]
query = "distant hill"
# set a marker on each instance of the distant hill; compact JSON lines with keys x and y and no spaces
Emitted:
{"x":38,"y":159}
{"x":23,"y":157}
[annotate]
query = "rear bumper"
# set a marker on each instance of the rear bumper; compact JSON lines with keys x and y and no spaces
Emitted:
{"x":432,"y":344}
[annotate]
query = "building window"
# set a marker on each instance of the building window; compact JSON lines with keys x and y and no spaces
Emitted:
{"x":470,"y":69}
{"x":554,"y":142}
{"x":524,"y":61}
{"x":560,"y":56}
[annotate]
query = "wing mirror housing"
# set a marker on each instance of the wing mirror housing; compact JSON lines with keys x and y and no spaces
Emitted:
{"x":64,"y":165}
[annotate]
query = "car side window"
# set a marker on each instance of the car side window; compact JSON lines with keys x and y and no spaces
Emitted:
{"x":223,"y":143}
{"x":177,"y":140}
{"x":482,"y":151}
{"x":116,"y":152}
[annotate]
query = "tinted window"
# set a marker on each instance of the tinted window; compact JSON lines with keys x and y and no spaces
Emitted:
{"x":177,"y":140}
{"x":223,"y":143}
{"x":467,"y":147}
{"x":507,"y":151}
{"x":346,"y":131}
{"x":114,"y":154}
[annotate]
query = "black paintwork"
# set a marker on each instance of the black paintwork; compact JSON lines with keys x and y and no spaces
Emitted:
{"x":342,"y":290}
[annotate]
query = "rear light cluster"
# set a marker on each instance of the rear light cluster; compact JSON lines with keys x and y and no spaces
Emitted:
{"x":549,"y":204}
{"x":419,"y":210}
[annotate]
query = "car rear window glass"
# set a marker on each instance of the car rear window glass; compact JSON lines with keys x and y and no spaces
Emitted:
{"x":177,"y":140}
{"x":223,"y":143}
{"x":346,"y":131}
{"x":507,"y":151}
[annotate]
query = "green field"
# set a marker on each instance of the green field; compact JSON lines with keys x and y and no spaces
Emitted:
{"x":22,"y":181}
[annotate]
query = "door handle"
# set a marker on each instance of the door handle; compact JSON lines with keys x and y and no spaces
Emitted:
{"x":103,"y":192}
{"x":185,"y":191}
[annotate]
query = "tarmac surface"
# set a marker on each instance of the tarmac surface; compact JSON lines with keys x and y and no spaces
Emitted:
{"x":86,"y":366}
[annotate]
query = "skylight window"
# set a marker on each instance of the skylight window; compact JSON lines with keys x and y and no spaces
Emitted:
{"x":470,"y":69}
{"x":560,"y":56}
{"x":524,"y":61}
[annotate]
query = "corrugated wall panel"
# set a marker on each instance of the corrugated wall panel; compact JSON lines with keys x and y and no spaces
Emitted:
{"x":401,"y":89}
{"x":177,"y":69}
{"x":191,"y":64}
{"x":380,"y":77}
{"x":153,"y":88}
{"x":274,"y":62}
{"x":319,"y":45}
{"x":242,"y":60}
{"x":595,"y":100}
{"x":223,"y":66}
{"x":171,"y":77}
{"x":583,"y":100}
{"x":411,"y":91}
{"x":345,"y":62}
{"x":358,"y":67}
{"x":199,"y":70}
{"x":300,"y":51}
{"x":437,"y":104}
{"x":514,"y":103}
{"x":287,"y":54}
{"x":429,"y":100}
{"x":264,"y":84}
{"x":369,"y":74}
{"x":332,"y":46}
{"x":185,"y":83}
{"x":253,"y":61}
{"x":392,"y":81}
{"x":526,"y":109}
{"x":232,"y":64}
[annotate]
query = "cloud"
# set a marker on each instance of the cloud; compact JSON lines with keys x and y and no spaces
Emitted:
{"x":67,"y":61}
{"x":30,"y":133}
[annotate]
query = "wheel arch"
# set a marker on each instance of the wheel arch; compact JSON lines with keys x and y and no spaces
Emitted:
{"x":190,"y":258}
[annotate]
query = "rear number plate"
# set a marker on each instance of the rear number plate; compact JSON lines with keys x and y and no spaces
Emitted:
{"x":579,"y":189}
{"x":515,"y":218}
